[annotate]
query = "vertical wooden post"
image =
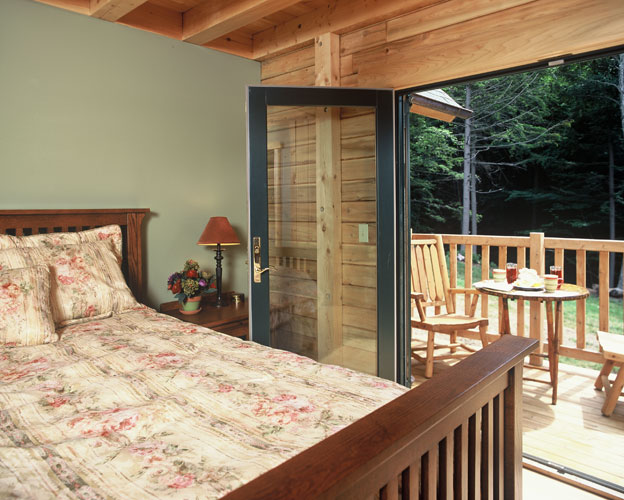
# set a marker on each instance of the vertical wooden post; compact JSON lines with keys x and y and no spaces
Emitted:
{"x":328,"y":206}
{"x":536,"y":252}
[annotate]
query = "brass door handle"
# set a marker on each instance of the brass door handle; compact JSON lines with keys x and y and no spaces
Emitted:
{"x":257,"y":266}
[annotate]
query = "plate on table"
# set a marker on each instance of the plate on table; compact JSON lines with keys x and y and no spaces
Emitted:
{"x":529,"y":288}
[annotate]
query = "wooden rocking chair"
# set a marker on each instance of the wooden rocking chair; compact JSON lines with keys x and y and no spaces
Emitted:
{"x":431,"y":288}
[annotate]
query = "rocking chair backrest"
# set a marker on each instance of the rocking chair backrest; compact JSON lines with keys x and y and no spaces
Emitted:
{"x":429,"y":272}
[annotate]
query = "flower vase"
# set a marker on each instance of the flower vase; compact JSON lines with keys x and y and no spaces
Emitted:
{"x":191,"y":306}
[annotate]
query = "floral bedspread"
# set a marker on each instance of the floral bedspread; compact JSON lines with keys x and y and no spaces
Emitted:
{"x":141,"y":405}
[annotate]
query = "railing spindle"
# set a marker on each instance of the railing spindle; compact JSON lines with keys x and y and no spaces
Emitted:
{"x":581,"y":279}
{"x":521,"y":251}
{"x":485,"y":274}
{"x":411,"y":482}
{"x":499,"y":450}
{"x":460,"y":462}
{"x":502,"y":263}
{"x":603,"y":287}
{"x":559,"y":261}
{"x":487,"y":453}
{"x":474,"y":453}
{"x":467,"y":276}
{"x":445,"y":471}
{"x":453,"y":271}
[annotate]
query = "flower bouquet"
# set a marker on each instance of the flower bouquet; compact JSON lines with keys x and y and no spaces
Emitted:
{"x":188,"y":286}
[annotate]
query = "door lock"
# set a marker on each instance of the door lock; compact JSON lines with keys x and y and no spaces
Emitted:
{"x":257,"y":266}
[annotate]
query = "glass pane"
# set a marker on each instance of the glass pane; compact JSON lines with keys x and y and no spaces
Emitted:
{"x":322,"y":233}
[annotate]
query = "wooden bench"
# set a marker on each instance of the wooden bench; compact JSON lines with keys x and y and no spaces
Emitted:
{"x":612,"y":347}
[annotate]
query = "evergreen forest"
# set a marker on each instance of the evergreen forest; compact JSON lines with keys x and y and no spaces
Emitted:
{"x":543,"y":151}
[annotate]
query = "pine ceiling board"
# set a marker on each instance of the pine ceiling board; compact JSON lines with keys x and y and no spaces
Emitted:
{"x":177,"y":5}
{"x":79,"y":6}
{"x":154,"y":18}
{"x":237,"y":43}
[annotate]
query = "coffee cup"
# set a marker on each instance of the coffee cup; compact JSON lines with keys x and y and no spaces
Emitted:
{"x":498,"y":275}
{"x":551,"y":282}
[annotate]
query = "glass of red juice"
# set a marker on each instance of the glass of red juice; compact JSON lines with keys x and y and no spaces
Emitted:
{"x":512,"y":272}
{"x":558,"y":270}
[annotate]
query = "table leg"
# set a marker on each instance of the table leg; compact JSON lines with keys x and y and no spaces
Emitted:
{"x":551,"y":349}
{"x":556,"y":341}
{"x":505,"y":326}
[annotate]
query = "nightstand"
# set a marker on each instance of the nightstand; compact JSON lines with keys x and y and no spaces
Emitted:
{"x":232,"y":319}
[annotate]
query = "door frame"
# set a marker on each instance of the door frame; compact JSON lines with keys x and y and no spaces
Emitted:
{"x":390,"y":185}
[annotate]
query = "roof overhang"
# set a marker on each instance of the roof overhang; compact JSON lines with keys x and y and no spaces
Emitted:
{"x":437,"y":104}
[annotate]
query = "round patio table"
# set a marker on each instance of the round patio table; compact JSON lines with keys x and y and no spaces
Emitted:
{"x":565,"y":293}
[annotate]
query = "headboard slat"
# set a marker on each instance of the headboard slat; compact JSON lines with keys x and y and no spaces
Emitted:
{"x":20,"y":222}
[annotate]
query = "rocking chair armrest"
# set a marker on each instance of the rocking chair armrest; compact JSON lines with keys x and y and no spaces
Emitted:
{"x":418,"y":298}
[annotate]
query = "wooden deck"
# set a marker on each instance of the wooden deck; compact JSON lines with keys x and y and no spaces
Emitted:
{"x":573,"y":433}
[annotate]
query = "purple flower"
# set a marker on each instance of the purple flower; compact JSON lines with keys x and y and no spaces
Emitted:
{"x":202,"y":282}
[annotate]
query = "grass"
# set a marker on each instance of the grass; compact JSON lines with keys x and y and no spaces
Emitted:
{"x":592,"y":314}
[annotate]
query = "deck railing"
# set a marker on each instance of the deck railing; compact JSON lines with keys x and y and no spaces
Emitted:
{"x":533,"y":251}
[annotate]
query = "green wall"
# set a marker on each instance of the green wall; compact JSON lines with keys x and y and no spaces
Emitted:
{"x":97,"y":115}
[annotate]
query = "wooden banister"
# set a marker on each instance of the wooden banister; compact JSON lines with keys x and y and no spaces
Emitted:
{"x":396,"y":440}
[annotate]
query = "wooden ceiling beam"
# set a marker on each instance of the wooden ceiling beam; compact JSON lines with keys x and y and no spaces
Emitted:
{"x":214,"y":19}
{"x":113,"y":10}
{"x":340,"y":17}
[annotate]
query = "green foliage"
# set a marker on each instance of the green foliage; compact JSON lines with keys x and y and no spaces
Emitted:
{"x":541,"y":144}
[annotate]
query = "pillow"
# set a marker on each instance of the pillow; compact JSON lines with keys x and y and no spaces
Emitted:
{"x":112,"y":232}
{"x":25,"y":317}
{"x":85,"y":280}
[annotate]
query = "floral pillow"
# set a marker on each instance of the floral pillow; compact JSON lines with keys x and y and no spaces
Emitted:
{"x":25,"y":316}
{"x":111,"y":232}
{"x":85,"y":280}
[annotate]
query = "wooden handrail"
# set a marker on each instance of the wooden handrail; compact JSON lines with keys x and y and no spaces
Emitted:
{"x":350,"y":461}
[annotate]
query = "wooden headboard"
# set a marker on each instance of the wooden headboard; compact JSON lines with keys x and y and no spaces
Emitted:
{"x":27,"y":222}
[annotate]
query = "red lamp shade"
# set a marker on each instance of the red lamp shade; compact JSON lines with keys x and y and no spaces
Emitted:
{"x":218,"y":231}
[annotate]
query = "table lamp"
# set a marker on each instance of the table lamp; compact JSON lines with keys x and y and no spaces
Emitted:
{"x":218,"y":232}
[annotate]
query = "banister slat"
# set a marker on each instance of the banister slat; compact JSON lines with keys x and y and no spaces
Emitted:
{"x":411,"y":482}
{"x":520,"y":303}
{"x":603,"y":280}
{"x":474,"y":456}
{"x":487,"y":453}
{"x":502,"y":263}
{"x":453,"y":271}
{"x":460,"y":462}
{"x":485,"y":274}
{"x":559,"y":261}
{"x":581,"y":280}
{"x":499,"y":446}
{"x":467,"y":276}
{"x":445,"y":470}
{"x":391,"y":490}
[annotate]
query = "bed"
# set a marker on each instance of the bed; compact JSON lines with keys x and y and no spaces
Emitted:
{"x":139,"y":405}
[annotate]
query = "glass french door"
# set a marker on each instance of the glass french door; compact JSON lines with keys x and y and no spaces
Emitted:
{"x":322,"y":225}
